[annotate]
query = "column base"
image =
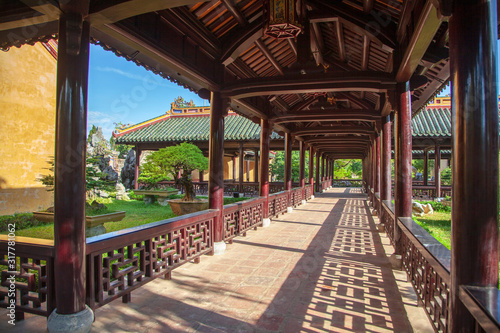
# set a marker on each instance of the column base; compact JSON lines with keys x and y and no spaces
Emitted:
{"x":381,"y":227}
{"x":289,"y":209}
{"x":266,"y":222}
{"x":312,"y":196}
{"x":303,"y":202}
{"x":374,"y":212}
{"x":219,"y":248}
{"x":396,"y":261}
{"x":80,"y":322}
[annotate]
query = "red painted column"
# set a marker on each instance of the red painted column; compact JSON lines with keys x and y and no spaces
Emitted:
{"x":378,"y":177}
{"x":385,"y":186}
{"x":70,"y":161}
{"x":403,"y":196}
{"x":311,"y":167}
{"x":318,"y":179}
{"x":265,"y":135}
{"x":437,"y":170}
{"x":333,"y":170}
{"x":323,"y":161}
{"x":474,"y":240}
{"x":137,"y":166}
{"x":426,"y":166}
{"x":216,"y":167}
{"x":288,"y":161}
{"x":302,"y":164}
{"x":256,"y":166}
{"x":234,"y":169}
{"x":240,"y":170}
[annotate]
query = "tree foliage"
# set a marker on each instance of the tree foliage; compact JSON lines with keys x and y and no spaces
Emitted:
{"x":182,"y":159}
{"x":277,"y":166}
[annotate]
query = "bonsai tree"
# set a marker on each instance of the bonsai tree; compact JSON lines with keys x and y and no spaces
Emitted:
{"x":179,"y":162}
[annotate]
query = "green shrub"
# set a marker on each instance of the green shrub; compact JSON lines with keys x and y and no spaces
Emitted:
{"x":21,"y":220}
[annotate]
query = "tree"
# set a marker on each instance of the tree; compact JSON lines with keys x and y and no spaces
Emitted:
{"x":177,"y":160}
{"x":277,"y":166}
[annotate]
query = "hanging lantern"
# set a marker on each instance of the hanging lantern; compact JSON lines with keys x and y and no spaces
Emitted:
{"x":283,"y":20}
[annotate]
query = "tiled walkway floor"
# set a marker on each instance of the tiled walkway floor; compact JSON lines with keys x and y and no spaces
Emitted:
{"x":321,"y":268}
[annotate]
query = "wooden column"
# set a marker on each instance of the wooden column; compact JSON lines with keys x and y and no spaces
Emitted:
{"x":403,"y":196}
{"x":240,"y":170}
{"x":137,"y":166}
{"x":385,"y":186}
{"x":474,"y":242}
{"x":69,"y":195}
{"x":288,"y":161}
{"x":426,"y":166}
{"x":256,"y":166}
{"x":216,"y":166}
{"x":437,"y":170}
{"x":234,"y":169}
{"x":201,"y":175}
{"x":265,"y":134}
{"x":302,"y":164}
{"x":311,"y":167}
{"x":323,"y":161}
{"x":318,"y":180}
{"x":333,"y":170}
{"x":378,"y":177}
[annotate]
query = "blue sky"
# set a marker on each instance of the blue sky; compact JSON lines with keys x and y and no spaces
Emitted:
{"x":121,"y":91}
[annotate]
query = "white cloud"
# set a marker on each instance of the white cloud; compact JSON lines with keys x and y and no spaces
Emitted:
{"x":148,"y":78}
{"x":103,"y":120}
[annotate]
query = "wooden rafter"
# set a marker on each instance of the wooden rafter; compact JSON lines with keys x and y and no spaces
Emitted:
{"x":263,"y":48}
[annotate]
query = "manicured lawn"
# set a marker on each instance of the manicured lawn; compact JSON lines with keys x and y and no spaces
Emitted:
{"x":137,"y":214}
{"x":438,"y":225}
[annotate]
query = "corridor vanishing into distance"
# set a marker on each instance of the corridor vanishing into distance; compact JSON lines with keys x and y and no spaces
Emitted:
{"x":321,"y":268}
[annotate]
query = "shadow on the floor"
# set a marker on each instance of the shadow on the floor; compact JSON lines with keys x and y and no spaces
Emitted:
{"x":344,"y":280}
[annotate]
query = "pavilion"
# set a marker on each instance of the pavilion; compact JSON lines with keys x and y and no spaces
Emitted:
{"x":336,"y":77}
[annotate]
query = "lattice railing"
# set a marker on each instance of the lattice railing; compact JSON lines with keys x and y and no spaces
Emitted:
{"x":242,"y":216}
{"x":278,"y":203}
{"x":31,"y":262}
{"x":388,"y":218}
{"x":308,"y":192}
{"x":347,"y":182}
{"x":429,"y":192}
{"x":296,"y":196}
{"x":119,"y":262}
{"x":276,"y":187}
{"x":427,"y":264}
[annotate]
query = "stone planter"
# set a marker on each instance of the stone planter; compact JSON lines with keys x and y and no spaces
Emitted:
{"x":94,"y":225}
{"x":186,"y":207}
{"x":150,"y":196}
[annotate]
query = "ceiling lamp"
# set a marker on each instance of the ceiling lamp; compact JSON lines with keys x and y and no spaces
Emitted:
{"x":283,"y":19}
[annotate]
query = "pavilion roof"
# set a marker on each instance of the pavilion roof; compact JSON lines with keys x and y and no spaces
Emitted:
{"x":192,"y":128}
{"x":432,"y":122}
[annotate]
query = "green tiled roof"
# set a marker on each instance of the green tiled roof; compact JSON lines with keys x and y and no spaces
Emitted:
{"x":432,"y":122}
{"x":192,"y":129}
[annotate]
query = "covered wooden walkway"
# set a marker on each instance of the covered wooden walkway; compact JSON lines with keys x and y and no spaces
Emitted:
{"x":321,"y":268}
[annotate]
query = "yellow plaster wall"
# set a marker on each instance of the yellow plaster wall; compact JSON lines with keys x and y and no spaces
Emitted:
{"x":27,"y":99}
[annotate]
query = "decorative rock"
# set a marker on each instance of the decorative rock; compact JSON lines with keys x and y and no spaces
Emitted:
{"x":428,"y":209}
{"x":120,"y":192}
{"x":128,"y":171}
{"x":162,"y":201}
{"x":95,"y":231}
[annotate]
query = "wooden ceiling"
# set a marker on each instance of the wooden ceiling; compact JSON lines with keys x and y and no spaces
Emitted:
{"x":329,"y":87}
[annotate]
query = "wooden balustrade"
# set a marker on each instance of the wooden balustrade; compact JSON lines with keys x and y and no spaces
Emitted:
{"x":242,"y":216}
{"x":308,"y":192}
{"x":121,"y":261}
{"x":347,"y":182}
{"x":31,"y":263}
{"x":278,"y":203}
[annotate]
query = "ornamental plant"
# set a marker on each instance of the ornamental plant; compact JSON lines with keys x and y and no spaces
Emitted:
{"x":177,"y":162}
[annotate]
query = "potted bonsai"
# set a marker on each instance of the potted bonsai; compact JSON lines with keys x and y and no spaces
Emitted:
{"x":179,"y":162}
{"x":150,"y":183}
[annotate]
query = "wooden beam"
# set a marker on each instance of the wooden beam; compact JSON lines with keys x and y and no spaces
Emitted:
{"x":293,"y":45}
{"x":263,"y":48}
{"x":327,"y":82}
{"x":99,"y":14}
{"x":366,"y":53}
{"x":240,"y":40}
{"x":423,"y":34}
{"x":338,"y":129}
{"x":235,"y":12}
{"x":317,"y":44}
{"x":335,"y":115}
{"x":340,"y":41}
{"x":367,"y":6}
